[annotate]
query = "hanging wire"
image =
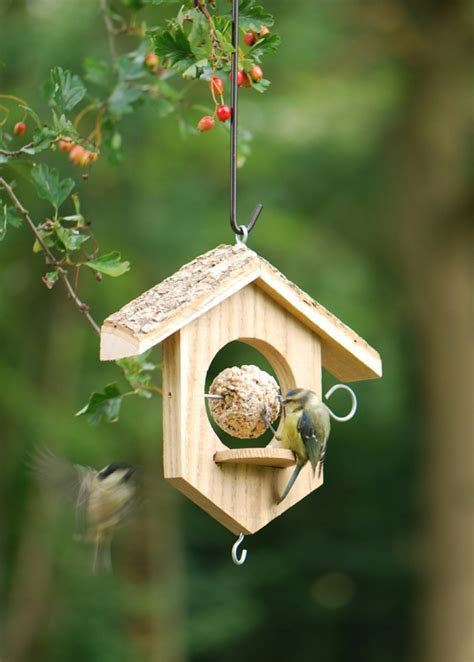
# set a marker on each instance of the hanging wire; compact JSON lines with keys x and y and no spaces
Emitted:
{"x":241,"y":231}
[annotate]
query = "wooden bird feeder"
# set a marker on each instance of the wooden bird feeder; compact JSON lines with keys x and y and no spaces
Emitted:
{"x":229,"y":294}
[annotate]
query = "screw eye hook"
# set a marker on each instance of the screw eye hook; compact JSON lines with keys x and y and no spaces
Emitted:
{"x":342,"y":419}
{"x":235,"y":547}
{"x":242,"y":239}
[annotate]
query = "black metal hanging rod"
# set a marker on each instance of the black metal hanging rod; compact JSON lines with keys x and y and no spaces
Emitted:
{"x":240,"y":230}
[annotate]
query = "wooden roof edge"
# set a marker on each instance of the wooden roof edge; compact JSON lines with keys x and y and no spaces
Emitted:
{"x":345,"y":354}
{"x":119,"y":342}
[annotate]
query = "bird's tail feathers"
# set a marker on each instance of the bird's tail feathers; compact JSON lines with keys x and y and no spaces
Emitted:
{"x":102,"y":564}
{"x":291,"y":482}
{"x":313,"y":449}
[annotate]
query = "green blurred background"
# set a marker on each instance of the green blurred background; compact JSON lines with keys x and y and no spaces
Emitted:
{"x":360,"y":157}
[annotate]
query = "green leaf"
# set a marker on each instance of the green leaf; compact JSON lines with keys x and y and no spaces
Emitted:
{"x":121,"y":100}
{"x":197,"y":69}
{"x":48,"y":240}
{"x":175,"y":47}
{"x":49,"y":186}
{"x":130,"y":67}
{"x":10,"y":216}
{"x":64,"y":90}
{"x":70,"y":238}
{"x":136,"y":371}
{"x":226,"y":45}
{"x":64,"y":127}
{"x":97,"y":72}
{"x":268,"y":44}
{"x":110,"y":264}
{"x":42,"y":139}
{"x":262,"y":85}
{"x":253,"y":16}
{"x":103,"y":405}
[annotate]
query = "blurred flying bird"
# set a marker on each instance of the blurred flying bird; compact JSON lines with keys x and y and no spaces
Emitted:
{"x":305,"y":431}
{"x":103,"y":499}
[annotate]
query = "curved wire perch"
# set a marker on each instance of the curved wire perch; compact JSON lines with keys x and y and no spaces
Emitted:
{"x":238,"y":560}
{"x":342,"y":419}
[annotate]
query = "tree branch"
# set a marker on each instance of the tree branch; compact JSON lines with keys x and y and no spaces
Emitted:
{"x":109,"y":26}
{"x":17,"y":152}
{"x":49,"y":256}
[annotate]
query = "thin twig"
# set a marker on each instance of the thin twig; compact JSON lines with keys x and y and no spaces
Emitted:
{"x":17,"y":152}
{"x":49,"y":256}
{"x":151,"y":388}
{"x":109,"y":26}
{"x":215,"y":45}
{"x":24,"y":150}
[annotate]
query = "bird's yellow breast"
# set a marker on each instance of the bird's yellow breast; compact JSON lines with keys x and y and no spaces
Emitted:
{"x":291,"y":438}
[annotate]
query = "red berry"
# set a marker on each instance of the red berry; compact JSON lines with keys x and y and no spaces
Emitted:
{"x":206,"y":123}
{"x":256,"y":72}
{"x":216,"y":85}
{"x":263,"y":31}
{"x":79,"y":155}
{"x":242,"y":79}
{"x":245,"y":79}
{"x":19,"y":128}
{"x":250,"y":38}
{"x":91,"y":157}
{"x":66,"y":144}
{"x":152,"y":61}
{"x":223,"y":113}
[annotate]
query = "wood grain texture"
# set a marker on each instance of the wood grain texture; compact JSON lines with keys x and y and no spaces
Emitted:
{"x":242,"y":497}
{"x":208,"y":281}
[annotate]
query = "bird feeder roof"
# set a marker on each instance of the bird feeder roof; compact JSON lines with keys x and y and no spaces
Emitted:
{"x":210,"y":279}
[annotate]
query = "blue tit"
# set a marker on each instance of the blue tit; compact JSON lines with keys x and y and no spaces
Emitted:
{"x":306,"y":429}
{"x":103,"y":499}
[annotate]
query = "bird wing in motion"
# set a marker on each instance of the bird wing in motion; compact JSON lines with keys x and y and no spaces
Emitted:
{"x":71,"y":481}
{"x":308,"y":434}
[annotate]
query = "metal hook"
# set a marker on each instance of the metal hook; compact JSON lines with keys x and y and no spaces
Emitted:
{"x":235,"y":547}
{"x":244,"y":237}
{"x":236,"y":228}
{"x":342,"y":419}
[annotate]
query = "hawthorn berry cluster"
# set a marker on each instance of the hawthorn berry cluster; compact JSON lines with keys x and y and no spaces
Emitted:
{"x":245,"y":78}
{"x":78,"y":154}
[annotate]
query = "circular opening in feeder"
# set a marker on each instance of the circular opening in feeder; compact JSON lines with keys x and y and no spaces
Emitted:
{"x":235,"y":355}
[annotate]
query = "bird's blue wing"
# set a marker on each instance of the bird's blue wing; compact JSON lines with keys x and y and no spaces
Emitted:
{"x":310,"y":440}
